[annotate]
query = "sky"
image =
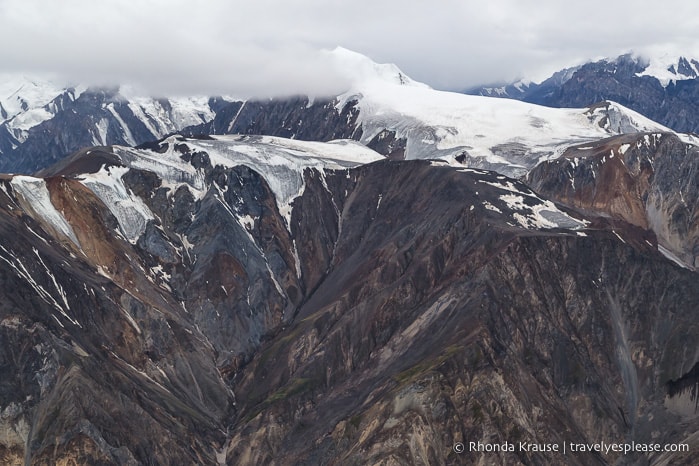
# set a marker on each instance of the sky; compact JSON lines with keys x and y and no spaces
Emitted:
{"x":264,"y":47}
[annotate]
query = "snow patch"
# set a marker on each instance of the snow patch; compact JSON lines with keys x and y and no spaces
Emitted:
{"x":38,"y":200}
{"x":16,"y":264}
{"x":129,"y":210}
{"x":670,"y":255}
{"x":541,"y":214}
{"x":102,"y":126}
{"x":490,"y":206}
{"x":128,"y":137}
{"x":247,"y":221}
{"x":618,"y":236}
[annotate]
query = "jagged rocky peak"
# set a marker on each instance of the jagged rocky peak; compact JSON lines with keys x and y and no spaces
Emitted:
{"x":667,"y":68}
{"x":523,"y":89}
{"x":26,"y":102}
{"x":19,"y":93}
{"x":29,"y":101}
{"x":43,"y":121}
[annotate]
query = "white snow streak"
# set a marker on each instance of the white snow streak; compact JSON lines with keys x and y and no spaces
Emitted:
{"x":129,"y":210}
{"x":38,"y":200}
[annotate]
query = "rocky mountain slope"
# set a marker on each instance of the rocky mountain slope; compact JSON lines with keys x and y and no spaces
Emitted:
{"x":256,"y":300}
{"x":663,"y":88}
{"x":649,"y":180}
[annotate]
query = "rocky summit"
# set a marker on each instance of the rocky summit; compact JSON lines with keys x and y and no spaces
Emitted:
{"x":260,"y":300}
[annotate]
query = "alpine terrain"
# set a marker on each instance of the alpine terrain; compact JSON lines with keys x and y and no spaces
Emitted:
{"x":371,"y":278}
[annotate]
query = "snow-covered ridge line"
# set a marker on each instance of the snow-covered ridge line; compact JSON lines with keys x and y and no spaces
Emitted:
{"x":505,"y":135}
{"x":668,"y":68}
{"x":280,"y":161}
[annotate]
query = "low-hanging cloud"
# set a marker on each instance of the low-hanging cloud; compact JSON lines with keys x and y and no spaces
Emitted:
{"x":267,"y":47}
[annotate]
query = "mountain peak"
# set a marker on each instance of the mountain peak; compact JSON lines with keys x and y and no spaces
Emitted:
{"x":361,"y":69}
{"x":19,"y":93}
{"x":669,"y":67}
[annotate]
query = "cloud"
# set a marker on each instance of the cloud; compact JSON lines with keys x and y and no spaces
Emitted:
{"x":271,"y":48}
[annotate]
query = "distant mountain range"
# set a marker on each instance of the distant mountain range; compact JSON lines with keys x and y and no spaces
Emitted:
{"x":664,"y":89}
{"x":384,"y":109}
{"x":42,"y":123}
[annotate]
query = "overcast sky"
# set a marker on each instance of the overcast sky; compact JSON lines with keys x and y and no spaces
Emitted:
{"x":267,"y":47}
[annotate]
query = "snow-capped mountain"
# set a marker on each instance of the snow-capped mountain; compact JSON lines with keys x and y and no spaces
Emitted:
{"x":663,"y":87}
{"x":393,"y":114}
{"x":383,"y":109}
{"x":669,"y":68}
{"x":503,"y":135}
{"x":43,"y":122}
{"x":25,"y":102}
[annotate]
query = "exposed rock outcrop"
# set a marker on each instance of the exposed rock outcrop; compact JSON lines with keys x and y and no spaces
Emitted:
{"x":649,"y":180}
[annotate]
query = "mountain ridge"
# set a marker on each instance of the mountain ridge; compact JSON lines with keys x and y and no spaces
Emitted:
{"x":663,"y":87}
{"x":383,"y":108}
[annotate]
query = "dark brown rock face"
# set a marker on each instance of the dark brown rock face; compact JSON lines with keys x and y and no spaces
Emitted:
{"x":295,"y":117}
{"x":399,"y":308}
{"x":649,"y":180}
{"x":437,"y":323}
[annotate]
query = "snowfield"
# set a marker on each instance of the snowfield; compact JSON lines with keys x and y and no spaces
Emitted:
{"x":280,"y":161}
{"x":500,"y":134}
